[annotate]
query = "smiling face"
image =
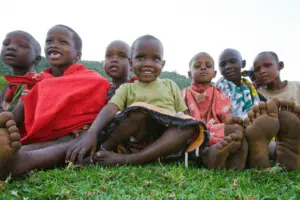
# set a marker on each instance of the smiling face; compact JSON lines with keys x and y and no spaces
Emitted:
{"x":202,"y":69}
{"x":230,"y":64}
{"x":147,"y":59}
{"x":266,"y":68}
{"x":60,"y":48}
{"x":117,"y":60}
{"x":18,"y":51}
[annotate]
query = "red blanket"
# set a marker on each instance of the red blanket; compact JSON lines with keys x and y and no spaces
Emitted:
{"x":209,"y":105}
{"x":57,"y":106}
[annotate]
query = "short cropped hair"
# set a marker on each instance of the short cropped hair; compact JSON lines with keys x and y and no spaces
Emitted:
{"x":145,"y":37}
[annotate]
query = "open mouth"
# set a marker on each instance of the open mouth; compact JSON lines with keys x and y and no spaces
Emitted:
{"x":54,"y":54}
{"x":10,"y":55}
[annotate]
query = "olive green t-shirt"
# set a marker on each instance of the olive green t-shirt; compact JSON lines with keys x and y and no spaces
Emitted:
{"x":162,"y":93}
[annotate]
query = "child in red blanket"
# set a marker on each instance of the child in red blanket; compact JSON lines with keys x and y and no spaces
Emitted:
{"x":67,"y":101}
{"x":21,"y":52}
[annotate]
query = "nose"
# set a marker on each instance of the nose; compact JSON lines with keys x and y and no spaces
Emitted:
{"x":203,"y":67}
{"x":114,"y":58}
{"x":148,"y":63}
{"x":227,"y":66}
{"x":11,"y":47}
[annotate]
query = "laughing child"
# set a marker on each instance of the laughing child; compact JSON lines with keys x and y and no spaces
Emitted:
{"x":70,"y":100}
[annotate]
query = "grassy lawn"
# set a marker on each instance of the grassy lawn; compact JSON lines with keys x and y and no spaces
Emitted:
{"x":171,"y":181}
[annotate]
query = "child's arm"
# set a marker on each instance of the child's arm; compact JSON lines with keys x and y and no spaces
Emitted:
{"x":88,"y":143}
{"x":18,"y":113}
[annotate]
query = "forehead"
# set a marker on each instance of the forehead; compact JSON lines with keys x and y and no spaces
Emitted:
{"x":118,"y":47}
{"x":19,"y":36}
{"x":58,"y":31}
{"x":230,"y":54}
{"x":149,"y":46}
{"x":264,"y":57}
{"x":203,"y":58}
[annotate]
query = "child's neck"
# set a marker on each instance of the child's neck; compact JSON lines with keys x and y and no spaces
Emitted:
{"x":21,"y":72}
{"x":58,"y":71}
{"x":118,"y":82}
{"x":237,"y":82}
{"x":277,"y":84}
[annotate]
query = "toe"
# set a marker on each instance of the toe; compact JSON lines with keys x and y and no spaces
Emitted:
{"x":263,"y":108}
{"x":272,"y":109}
{"x":297,"y":111}
{"x":10,"y":123}
{"x":4,"y":117}
{"x":256,"y":111}
{"x":14,"y":137}
{"x":247,"y":122}
{"x":228,"y":120}
{"x":251,"y":116}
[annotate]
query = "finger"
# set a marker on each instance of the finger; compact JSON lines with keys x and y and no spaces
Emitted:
{"x":74,"y":155}
{"x":92,"y":153}
{"x":69,"y":153}
{"x":81,"y":155}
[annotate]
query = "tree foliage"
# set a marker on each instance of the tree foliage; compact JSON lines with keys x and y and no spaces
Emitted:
{"x":98,"y":66}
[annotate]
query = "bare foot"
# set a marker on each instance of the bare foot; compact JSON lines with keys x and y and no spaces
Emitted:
{"x":9,"y":142}
{"x":110,"y":158}
{"x":288,"y":137}
{"x":261,"y":126}
{"x":215,"y":157}
{"x":238,"y":159}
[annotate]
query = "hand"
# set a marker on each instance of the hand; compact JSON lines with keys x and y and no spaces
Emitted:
{"x":84,"y":146}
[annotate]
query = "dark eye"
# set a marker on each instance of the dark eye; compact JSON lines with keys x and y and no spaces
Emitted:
{"x":139,"y":57}
{"x":63,"y":42}
{"x":196,"y":66}
{"x":123,"y":55}
{"x":48,"y":41}
{"x":24,"y":46}
{"x":222,"y":64}
{"x":157,"y":58}
{"x":232,"y":61}
{"x":267,"y":65}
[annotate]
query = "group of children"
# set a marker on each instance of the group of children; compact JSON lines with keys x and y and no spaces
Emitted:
{"x":71,"y":114}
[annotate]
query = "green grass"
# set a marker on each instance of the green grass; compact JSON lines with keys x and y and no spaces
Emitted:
{"x":155,"y":181}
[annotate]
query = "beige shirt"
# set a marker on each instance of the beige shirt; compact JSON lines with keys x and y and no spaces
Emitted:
{"x":290,"y":92}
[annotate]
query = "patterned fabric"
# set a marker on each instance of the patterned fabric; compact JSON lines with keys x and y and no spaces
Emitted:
{"x":2,"y":82}
{"x":17,"y":87}
{"x":242,"y":98}
{"x":209,"y":105}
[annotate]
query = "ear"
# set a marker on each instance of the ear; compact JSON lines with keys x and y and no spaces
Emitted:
{"x":190,"y":74}
{"x":78,"y":56}
{"x":37,"y":60}
{"x":280,"y":65}
{"x":215,"y":74}
{"x":163,"y":63}
{"x":243,"y":63}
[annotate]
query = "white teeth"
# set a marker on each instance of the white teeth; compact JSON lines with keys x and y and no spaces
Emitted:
{"x":148,"y":72}
{"x":54,"y":55}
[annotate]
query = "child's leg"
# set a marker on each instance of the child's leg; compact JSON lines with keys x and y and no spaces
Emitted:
{"x":172,"y":141}
{"x":15,"y":161}
{"x":42,"y":145}
{"x":288,"y":137}
{"x":261,"y":126}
